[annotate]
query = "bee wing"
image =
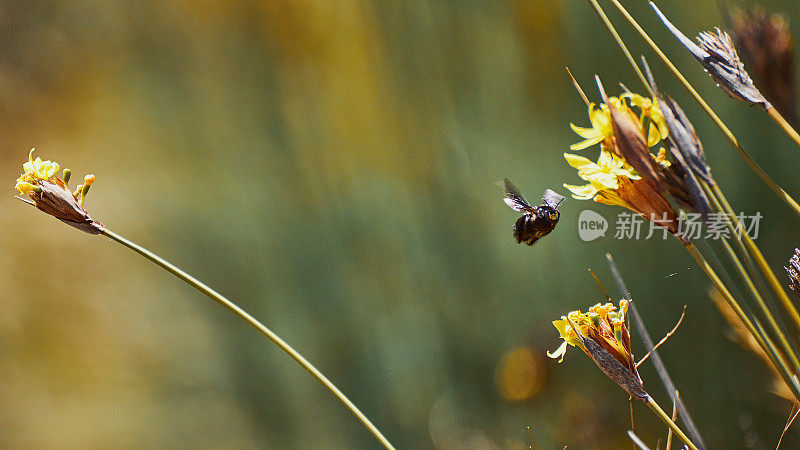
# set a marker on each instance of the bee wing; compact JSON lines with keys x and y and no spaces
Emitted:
{"x":514,"y":197}
{"x":552,"y":198}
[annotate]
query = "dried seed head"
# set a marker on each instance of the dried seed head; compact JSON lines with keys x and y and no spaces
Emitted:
{"x":683,"y":185}
{"x":718,"y":57}
{"x":50,"y":194}
{"x":768,"y":49}
{"x":794,"y":272}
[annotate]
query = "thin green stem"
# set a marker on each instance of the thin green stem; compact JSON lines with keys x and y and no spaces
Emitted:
{"x":621,"y":44}
{"x":258,"y":326}
{"x":754,"y":328}
{"x":789,"y":379}
{"x":773,"y":281}
{"x":787,"y":348}
{"x":783,"y":195}
{"x":717,"y":282}
{"x":751,"y":265}
{"x":669,"y":422}
{"x":785,"y":126}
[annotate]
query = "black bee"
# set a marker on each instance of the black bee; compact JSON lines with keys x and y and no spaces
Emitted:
{"x":538,"y":221}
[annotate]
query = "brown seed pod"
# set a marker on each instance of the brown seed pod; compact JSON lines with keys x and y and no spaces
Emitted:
{"x":718,"y":57}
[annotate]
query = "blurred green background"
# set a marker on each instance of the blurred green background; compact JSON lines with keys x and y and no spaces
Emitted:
{"x":330,"y":166}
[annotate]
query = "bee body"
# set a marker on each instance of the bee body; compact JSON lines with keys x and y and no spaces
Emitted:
{"x":532,"y":226}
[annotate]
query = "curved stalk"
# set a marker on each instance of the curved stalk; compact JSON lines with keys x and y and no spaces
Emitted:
{"x":258,"y":326}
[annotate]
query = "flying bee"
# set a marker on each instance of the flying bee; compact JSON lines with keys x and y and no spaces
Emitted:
{"x":538,"y":221}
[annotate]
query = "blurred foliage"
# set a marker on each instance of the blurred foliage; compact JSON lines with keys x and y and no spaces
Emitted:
{"x":330,"y":166}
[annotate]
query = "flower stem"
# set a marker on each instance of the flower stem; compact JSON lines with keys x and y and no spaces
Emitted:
{"x":783,"y":195}
{"x":669,"y":422}
{"x":754,"y":328}
{"x":776,"y":285}
{"x":785,"y":126}
{"x":258,"y":326}
{"x":733,"y":228}
{"x":621,"y":44}
{"x":787,"y":348}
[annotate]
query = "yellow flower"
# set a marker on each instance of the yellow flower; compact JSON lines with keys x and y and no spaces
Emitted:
{"x":24,"y":187}
{"x":602,"y":335}
{"x":602,"y":176}
{"x":50,"y":194}
{"x":601,"y":129}
{"x":612,"y":181}
{"x":602,"y":126}
{"x":649,"y":109}
{"x":35,"y":170}
{"x":605,"y":323}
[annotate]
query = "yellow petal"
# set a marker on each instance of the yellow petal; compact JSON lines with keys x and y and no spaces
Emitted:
{"x":601,"y":120}
{"x":563,"y":328}
{"x":623,"y":172}
{"x":559,"y":353}
{"x":637,"y":100}
{"x":586,"y":133}
{"x":604,"y":179}
{"x":24,"y":187}
{"x":50,"y":170}
{"x":579,"y":162}
{"x":586,"y":144}
{"x":606,"y":159}
{"x":585,"y":192}
{"x":661,"y":124}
